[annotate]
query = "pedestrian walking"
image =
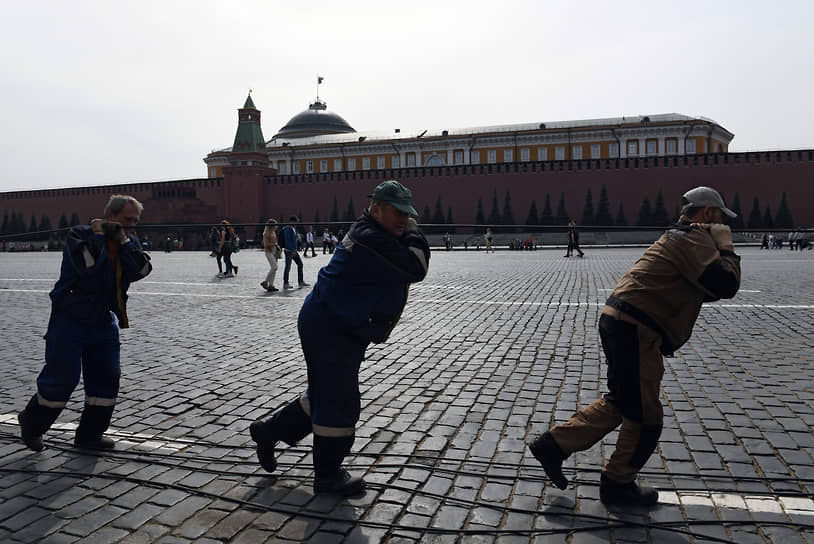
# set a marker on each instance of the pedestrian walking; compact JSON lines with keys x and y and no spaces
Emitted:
{"x":290,"y":246}
{"x":357,"y":300}
{"x":327,"y":247}
{"x":309,"y":242}
{"x":214,"y":241}
{"x":98,"y":264}
{"x":272,"y":251}
{"x":650,"y":314}
{"x":573,"y":239}
{"x":226,"y":247}
{"x":488,"y":238}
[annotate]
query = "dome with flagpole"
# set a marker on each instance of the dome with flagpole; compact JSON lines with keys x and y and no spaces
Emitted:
{"x":315,"y":121}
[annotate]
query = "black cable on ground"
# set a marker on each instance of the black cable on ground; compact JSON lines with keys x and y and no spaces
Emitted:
{"x":606,"y":525}
{"x":442,"y":498}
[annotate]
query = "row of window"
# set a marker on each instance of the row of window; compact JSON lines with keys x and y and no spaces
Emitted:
{"x":491,"y":156}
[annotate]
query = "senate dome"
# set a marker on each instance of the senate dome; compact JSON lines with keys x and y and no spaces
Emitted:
{"x":315,"y":121}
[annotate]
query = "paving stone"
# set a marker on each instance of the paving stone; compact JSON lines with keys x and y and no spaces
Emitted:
{"x":475,"y":368}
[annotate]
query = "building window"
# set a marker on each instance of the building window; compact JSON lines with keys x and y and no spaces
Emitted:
{"x":542,"y":154}
{"x":337,"y":165}
{"x":524,"y":154}
{"x":613,"y":150}
{"x":559,"y":153}
{"x":507,"y":155}
{"x":458,"y":157}
{"x":380,"y":163}
{"x":491,"y":156}
{"x":396,"y":161}
{"x":282,"y":167}
{"x":211,"y":171}
{"x":323,"y":166}
{"x":652,"y":147}
{"x":365,"y":163}
{"x":410,"y":159}
{"x":309,"y":167}
{"x":576,"y":152}
{"x":595,"y":151}
{"x":351,"y":164}
{"x":474,"y":157}
{"x":632,"y":148}
{"x":671,"y":146}
{"x":296,"y":167}
{"x":690,"y":146}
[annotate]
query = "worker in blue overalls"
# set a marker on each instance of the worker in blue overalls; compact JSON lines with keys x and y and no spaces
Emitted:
{"x":98,"y":264}
{"x":357,"y":300}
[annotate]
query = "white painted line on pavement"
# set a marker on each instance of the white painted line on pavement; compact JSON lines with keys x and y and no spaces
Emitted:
{"x":754,"y":504}
{"x":146,"y":440}
{"x":555,"y":304}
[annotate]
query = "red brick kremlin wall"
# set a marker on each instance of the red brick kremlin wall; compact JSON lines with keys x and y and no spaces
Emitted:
{"x":251,"y":193}
{"x":765,"y":175}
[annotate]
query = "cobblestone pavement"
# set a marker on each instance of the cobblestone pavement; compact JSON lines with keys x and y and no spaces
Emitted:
{"x":491,"y":349}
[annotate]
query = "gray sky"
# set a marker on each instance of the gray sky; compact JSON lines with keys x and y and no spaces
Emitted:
{"x":98,"y":93}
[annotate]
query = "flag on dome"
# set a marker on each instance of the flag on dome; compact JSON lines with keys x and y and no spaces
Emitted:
{"x":319,"y":79}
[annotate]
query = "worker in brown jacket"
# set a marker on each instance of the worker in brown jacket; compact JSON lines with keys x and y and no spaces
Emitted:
{"x":649,"y":314}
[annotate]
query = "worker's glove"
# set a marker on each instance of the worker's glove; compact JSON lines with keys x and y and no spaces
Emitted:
{"x":411,"y":225}
{"x":722,"y":236}
{"x":96,"y":226}
{"x":115,"y":231}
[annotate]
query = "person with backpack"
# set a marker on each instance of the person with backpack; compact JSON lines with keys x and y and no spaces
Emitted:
{"x":357,"y":300}
{"x":290,"y":247}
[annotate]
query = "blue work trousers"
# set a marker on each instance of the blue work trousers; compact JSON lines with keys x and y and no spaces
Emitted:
{"x":333,"y":360}
{"x":71,"y":349}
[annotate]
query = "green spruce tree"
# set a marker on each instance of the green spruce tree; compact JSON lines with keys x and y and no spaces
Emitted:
{"x":426,"y":214}
{"x":334,"y":217}
{"x":755,"y":220}
{"x":562,"y":216}
{"x":588,"y":209}
{"x":645,"y":217}
{"x":350,"y":212}
{"x":494,"y":215}
{"x":660,"y":216}
{"x":603,"y":213}
{"x":480,"y":219}
{"x":783,"y":219}
{"x":737,"y":222}
{"x":533,"y":217}
{"x":547,"y":216}
{"x":621,"y":220}
{"x":768,"y":221}
{"x":438,"y":214}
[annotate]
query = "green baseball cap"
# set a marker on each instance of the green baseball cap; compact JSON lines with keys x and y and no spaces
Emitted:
{"x":396,"y":194}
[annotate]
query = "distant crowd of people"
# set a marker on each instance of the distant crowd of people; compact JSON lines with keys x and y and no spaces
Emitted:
{"x":796,"y":241}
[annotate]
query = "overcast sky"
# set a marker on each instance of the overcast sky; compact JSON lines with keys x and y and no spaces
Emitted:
{"x":99,"y":93}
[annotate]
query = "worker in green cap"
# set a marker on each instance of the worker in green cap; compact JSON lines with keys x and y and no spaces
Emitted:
{"x":357,"y":300}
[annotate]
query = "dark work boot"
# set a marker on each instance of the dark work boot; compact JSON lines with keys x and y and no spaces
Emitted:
{"x":329,"y":476}
{"x":34,"y":420}
{"x":92,"y":425}
{"x":546,"y":450}
{"x":291,"y":424}
{"x":612,"y":492}
{"x":265,"y":445}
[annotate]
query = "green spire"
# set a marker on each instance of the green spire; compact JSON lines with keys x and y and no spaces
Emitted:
{"x":249,"y":136}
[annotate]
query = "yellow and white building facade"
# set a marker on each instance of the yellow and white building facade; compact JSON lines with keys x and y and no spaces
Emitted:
{"x":317,"y":141}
